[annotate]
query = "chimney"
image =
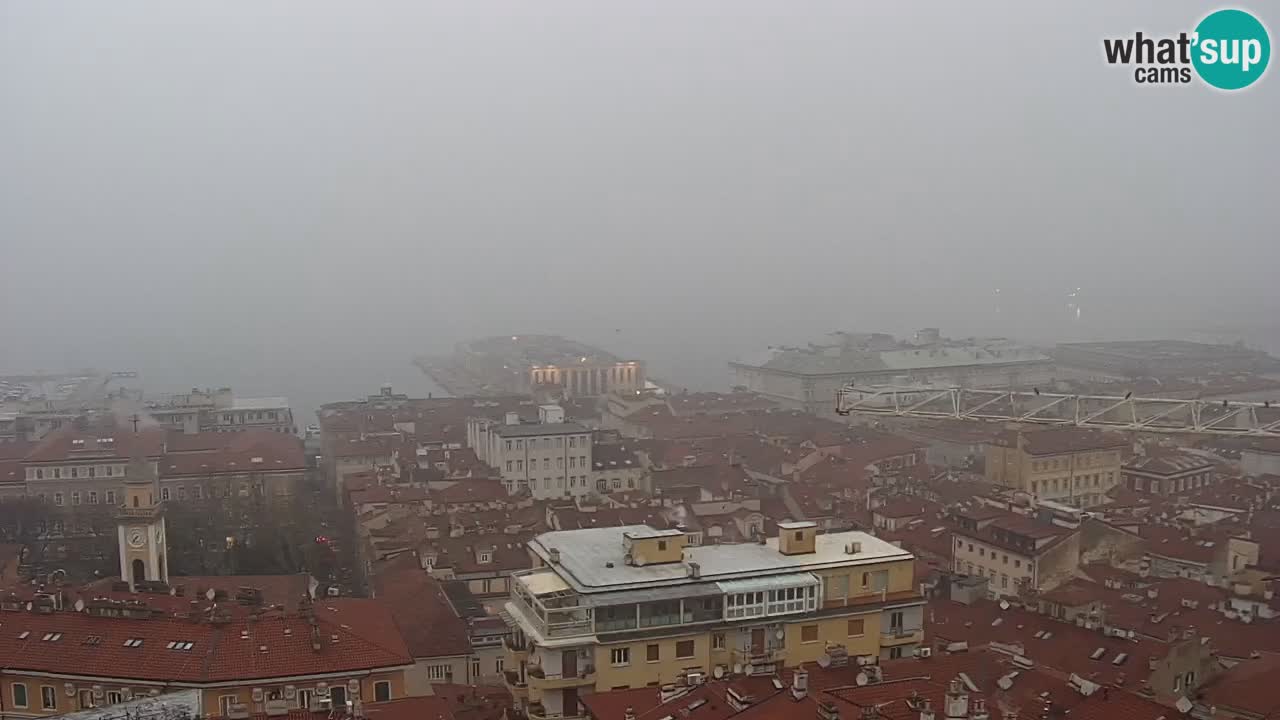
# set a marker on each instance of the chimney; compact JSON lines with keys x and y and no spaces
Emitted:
{"x":827,"y":710}
{"x":629,"y":713}
{"x":979,"y":710}
{"x":695,"y":570}
{"x":799,"y":684}
{"x":513,"y":418}
{"x":926,"y":712}
{"x":957,"y":701}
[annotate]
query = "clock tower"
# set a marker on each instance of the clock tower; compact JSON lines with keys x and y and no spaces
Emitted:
{"x":141,"y":526}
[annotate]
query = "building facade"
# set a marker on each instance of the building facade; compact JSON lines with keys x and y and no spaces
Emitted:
{"x":550,"y":459}
{"x":220,"y":411}
{"x":629,"y":607}
{"x":808,"y":378}
{"x":1073,"y":467}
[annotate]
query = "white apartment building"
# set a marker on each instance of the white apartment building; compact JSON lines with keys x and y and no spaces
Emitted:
{"x":550,"y":458}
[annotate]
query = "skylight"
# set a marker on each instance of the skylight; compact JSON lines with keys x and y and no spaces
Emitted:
{"x":1120,"y":659}
{"x":1097,"y":654}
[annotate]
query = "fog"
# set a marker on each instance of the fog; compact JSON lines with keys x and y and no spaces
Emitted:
{"x":296,"y":197}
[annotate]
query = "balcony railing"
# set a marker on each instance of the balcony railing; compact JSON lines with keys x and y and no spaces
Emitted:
{"x":550,"y":681}
{"x":895,"y":635}
{"x":513,"y":679}
{"x":757,"y":656}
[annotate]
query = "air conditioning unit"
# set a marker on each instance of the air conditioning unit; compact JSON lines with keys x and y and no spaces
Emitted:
{"x":353,"y":687}
{"x":257,"y":694}
{"x":237,"y":711}
{"x":290,"y":692}
{"x":70,"y":689}
{"x":695,"y":678}
{"x":276,"y":708}
{"x":97,"y":692}
{"x":924,"y":652}
{"x":322,"y":689}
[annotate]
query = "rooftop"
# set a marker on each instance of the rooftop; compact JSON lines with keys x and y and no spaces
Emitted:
{"x":850,"y":355}
{"x":593,"y":559}
{"x":538,"y":429}
{"x":260,"y":403}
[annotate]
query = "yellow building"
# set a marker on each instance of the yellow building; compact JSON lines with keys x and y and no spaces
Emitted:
{"x":626,"y":607}
{"x":1069,"y":465}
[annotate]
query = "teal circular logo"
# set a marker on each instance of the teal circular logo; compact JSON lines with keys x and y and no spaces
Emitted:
{"x":1231,"y":49}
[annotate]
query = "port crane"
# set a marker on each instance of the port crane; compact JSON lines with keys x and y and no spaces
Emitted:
{"x":1104,"y":412}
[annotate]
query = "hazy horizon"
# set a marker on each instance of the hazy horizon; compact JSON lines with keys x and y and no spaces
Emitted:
{"x":295,"y":198}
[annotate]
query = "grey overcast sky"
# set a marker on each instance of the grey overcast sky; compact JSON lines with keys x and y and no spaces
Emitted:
{"x":295,"y":197}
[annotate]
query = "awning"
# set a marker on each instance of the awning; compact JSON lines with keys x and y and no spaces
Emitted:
{"x":543,"y":583}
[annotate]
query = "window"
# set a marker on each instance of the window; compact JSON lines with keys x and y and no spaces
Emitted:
{"x":57,"y":499}
{"x":111,"y":497}
{"x":510,"y":463}
{"x":519,"y":444}
{"x":742,"y":605}
{"x":652,"y":653}
{"x":1190,"y":679}
{"x":485,"y":557}
{"x":438,"y":672}
{"x":573,"y":462}
{"x":662,"y":544}
{"x":497,"y":666}
{"x":164,"y":493}
{"x":857,"y":627}
{"x":519,"y":466}
{"x":196,"y":493}
{"x":895,"y":652}
{"x":895,"y":620}
{"x":225,"y":702}
{"x":717,"y":641}
{"x":573,"y":442}
{"x":382,"y":691}
{"x":19,"y":695}
{"x":982,"y":552}
{"x":1177,"y":683}
{"x":475,"y":669}
{"x":182,"y":492}
{"x":93,"y":497}
{"x":559,"y":463}
{"x":1004,"y":580}
{"x":1017,"y":563}
{"x":114,"y":696}
{"x":75,"y":498}
{"x":970,"y":547}
{"x":1004,"y":559}
{"x":48,"y":697}
{"x":620,"y":656}
{"x":684,"y":649}
{"x":508,"y":445}
{"x":808,"y":633}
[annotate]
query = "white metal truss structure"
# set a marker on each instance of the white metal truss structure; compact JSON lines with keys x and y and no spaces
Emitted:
{"x":1108,"y":412}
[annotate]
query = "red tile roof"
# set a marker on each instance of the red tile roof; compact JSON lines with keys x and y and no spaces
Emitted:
{"x":354,"y":635}
{"x":427,"y":621}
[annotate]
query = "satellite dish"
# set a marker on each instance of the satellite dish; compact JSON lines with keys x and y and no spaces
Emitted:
{"x":824,"y":661}
{"x":718,"y":672}
{"x":748,"y":670}
{"x":210,"y":594}
{"x":1004,"y":604}
{"x":79,"y":605}
{"x":737,"y":668}
{"x":780,"y":634}
{"x":861,"y":679}
{"x":1184,"y":705}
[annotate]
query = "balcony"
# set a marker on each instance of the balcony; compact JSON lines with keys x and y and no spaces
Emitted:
{"x":542,"y":681}
{"x":901,"y":636}
{"x":762,"y":660}
{"x":536,"y":711}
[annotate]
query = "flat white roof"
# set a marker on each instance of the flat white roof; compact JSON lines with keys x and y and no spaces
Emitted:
{"x":593,"y":559}
{"x":260,"y":403}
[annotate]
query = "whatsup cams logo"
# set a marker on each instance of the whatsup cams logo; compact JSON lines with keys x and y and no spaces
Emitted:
{"x":1228,"y":50}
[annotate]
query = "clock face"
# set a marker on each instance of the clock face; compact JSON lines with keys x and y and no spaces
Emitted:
{"x":137,"y":537}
